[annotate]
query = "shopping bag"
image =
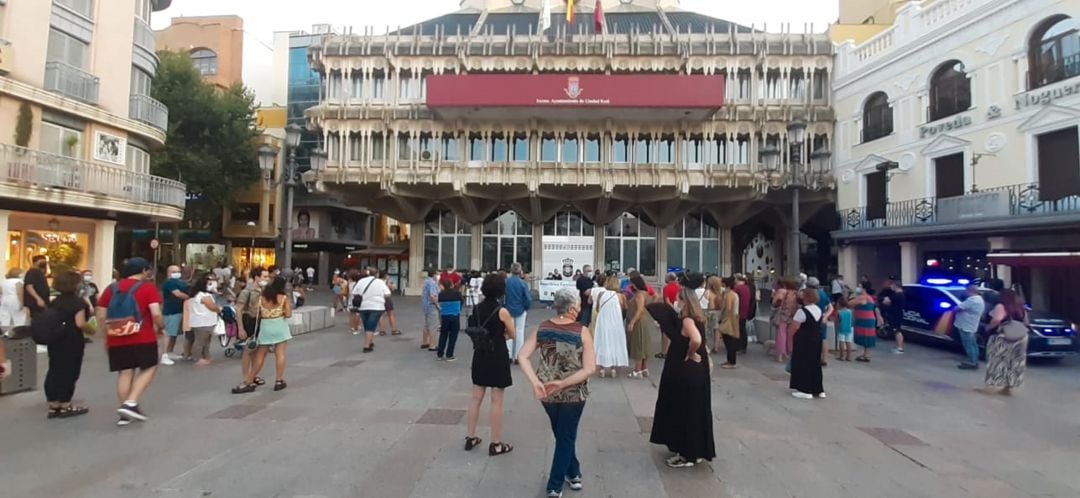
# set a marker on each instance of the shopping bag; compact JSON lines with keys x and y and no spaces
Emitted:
{"x":219,"y":328}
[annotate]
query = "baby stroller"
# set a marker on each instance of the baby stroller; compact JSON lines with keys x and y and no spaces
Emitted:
{"x":230,"y":340}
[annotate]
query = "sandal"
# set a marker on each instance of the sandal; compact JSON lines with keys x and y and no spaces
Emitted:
{"x":279,"y":385}
{"x":72,"y":411}
{"x":382,"y":333}
{"x":660,"y":356}
{"x":424,"y":346}
{"x":863,"y":359}
{"x":242,"y":389}
{"x":496,"y":449}
{"x":259,"y":381}
{"x":472,"y":442}
{"x":395,"y":332}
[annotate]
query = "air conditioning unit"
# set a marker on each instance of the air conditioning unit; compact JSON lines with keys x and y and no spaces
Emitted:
{"x":425,"y":155}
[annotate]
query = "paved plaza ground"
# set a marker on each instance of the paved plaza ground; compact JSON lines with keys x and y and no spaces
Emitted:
{"x":391,"y":424}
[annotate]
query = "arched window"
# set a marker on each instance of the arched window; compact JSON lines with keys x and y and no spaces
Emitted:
{"x":1054,"y":51}
{"x":204,"y":60}
{"x":877,"y":117}
{"x":950,"y":90}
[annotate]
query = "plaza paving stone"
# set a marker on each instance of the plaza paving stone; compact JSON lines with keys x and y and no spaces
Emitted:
{"x":392,"y":423}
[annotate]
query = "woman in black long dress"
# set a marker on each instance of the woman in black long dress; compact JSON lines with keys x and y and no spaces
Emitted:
{"x":806,"y":377}
{"x":683,"y":417}
{"x":491,"y":367}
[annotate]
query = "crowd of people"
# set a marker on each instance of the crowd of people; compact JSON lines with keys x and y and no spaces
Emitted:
{"x":607,"y":322}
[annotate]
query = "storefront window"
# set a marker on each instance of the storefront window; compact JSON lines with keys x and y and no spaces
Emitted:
{"x":446,"y":241}
{"x":246,"y":258}
{"x":507,"y":240}
{"x":694,"y":244}
{"x":631,"y":243}
{"x":63,"y":249}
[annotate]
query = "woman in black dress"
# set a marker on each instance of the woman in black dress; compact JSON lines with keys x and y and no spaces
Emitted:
{"x":806,"y":378}
{"x":491,"y":367}
{"x":683,"y":416}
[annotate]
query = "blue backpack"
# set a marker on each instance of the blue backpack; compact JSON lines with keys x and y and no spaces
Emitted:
{"x":122,"y":317}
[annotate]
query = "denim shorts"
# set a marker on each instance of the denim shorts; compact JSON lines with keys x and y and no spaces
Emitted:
{"x":370,"y":319}
{"x":173,"y":323}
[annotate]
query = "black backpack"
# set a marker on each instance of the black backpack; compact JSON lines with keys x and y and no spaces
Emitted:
{"x":481,"y":339}
{"x":48,"y":326}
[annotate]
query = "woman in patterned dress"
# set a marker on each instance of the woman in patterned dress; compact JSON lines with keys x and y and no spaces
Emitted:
{"x":784,"y":302}
{"x":1006,"y":361}
{"x":867,"y":318}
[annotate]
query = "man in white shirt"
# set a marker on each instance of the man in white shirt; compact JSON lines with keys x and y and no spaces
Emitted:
{"x":374,"y":293}
{"x":310,"y":276}
{"x":966,"y":321}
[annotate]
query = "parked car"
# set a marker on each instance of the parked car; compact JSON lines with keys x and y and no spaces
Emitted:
{"x":1049,"y":335}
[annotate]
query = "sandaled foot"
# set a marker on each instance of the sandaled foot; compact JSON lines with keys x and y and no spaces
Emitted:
{"x":727,"y":366}
{"x":382,"y":332}
{"x":279,"y":385}
{"x":259,"y":381}
{"x":395,"y":332}
{"x":72,"y":411}
{"x":244,"y":388}
{"x":496,"y":449}
{"x":472,"y":442}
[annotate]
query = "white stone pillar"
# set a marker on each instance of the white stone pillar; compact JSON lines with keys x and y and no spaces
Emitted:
{"x":476,"y":245}
{"x":661,"y":254}
{"x":104,"y":244}
{"x":599,"y":257}
{"x":1004,"y":272}
{"x":537,"y":272}
{"x":848,"y":263}
{"x":909,"y":262}
{"x":5,"y":242}
{"x":416,"y":258}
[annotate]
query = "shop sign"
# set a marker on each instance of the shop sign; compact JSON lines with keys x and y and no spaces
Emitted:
{"x":952,"y":124}
{"x":1046,"y":95}
{"x":972,"y":206}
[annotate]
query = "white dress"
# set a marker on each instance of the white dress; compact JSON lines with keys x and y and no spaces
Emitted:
{"x":610,"y":333}
{"x":11,"y":314}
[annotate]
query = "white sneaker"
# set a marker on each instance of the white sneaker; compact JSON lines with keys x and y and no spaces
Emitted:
{"x":897,"y":351}
{"x":802,"y":395}
{"x":165,"y":360}
{"x":175,"y":356}
{"x":822,"y":396}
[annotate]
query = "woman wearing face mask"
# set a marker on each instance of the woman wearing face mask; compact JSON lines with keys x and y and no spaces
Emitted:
{"x":247,"y":307}
{"x":202,"y":317}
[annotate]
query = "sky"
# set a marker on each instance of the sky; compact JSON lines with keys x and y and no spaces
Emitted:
{"x":263,"y":17}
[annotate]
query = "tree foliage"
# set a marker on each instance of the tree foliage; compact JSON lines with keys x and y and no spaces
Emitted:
{"x":212,"y":142}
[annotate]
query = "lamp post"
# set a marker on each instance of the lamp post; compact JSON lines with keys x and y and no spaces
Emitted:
{"x":318,"y":162}
{"x":803,"y":172}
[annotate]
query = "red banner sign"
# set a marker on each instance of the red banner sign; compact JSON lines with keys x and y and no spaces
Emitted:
{"x":583,"y":90}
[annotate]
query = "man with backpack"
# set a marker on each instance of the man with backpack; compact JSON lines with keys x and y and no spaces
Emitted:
{"x":130,"y":310}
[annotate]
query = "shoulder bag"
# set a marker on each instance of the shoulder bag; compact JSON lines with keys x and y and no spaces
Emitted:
{"x":358,"y":299}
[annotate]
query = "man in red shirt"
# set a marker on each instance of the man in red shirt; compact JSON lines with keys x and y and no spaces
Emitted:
{"x":452,"y":275}
{"x":671,"y":294}
{"x":134,"y":357}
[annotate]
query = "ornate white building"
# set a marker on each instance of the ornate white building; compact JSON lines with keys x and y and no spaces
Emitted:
{"x":637,"y":146}
{"x":956,"y":145}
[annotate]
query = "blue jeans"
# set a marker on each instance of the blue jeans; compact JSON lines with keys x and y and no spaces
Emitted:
{"x":564,"y":425}
{"x":971,"y":346}
{"x":448,"y":333}
{"x":370,"y":320}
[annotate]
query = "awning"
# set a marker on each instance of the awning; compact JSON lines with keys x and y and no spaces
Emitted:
{"x":382,"y":251}
{"x":1057,"y":258}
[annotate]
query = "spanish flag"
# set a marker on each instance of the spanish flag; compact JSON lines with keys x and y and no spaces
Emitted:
{"x":569,"y":11}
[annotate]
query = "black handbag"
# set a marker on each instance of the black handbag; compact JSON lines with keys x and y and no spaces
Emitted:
{"x":481,"y":339}
{"x":358,"y":299}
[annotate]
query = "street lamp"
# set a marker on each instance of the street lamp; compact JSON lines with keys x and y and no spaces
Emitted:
{"x":251,"y":249}
{"x":318,"y":159}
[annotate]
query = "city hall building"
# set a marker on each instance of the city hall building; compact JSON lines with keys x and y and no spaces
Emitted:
{"x":956,"y":146}
{"x":631,"y":138}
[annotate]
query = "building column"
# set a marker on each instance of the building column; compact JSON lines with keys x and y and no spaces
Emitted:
{"x":661,"y":254}
{"x":537,"y":272}
{"x":909,"y":262}
{"x":322,"y":273}
{"x":1038,"y":295}
{"x":416,"y":259}
{"x":848,"y":263}
{"x":1004,"y":272}
{"x":599,"y":256}
{"x":476,"y":245}
{"x":5,"y":242}
{"x":727,"y":258}
{"x":104,"y":244}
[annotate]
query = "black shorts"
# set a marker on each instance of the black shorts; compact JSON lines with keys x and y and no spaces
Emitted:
{"x":141,"y":356}
{"x":389,"y":304}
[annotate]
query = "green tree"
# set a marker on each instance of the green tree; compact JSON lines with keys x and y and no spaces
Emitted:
{"x":212,"y":142}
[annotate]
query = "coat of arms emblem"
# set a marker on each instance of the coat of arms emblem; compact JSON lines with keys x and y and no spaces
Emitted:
{"x":573,"y":87}
{"x":568,"y":267}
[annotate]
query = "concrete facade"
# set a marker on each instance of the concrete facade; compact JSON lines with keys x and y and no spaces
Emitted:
{"x":392,"y":153}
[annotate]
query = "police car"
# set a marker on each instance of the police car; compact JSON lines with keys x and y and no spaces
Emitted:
{"x":1049,"y":335}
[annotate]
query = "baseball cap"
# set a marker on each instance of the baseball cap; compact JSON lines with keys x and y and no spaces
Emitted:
{"x":134,"y":266}
{"x":813,"y":282}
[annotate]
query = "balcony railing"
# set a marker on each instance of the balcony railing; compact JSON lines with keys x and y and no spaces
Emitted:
{"x":1014,"y":200}
{"x":149,"y":111}
{"x":144,"y":36}
{"x":45,"y":170}
{"x":71,"y":81}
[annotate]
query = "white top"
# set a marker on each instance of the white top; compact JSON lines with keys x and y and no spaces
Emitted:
{"x":375,"y":297}
{"x":837,"y":286}
{"x":800,"y":317}
{"x":201,"y":316}
{"x":704,"y":303}
{"x":311,"y":272}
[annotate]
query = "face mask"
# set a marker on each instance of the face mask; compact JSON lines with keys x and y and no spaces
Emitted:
{"x":264,"y":283}
{"x":175,"y":275}
{"x":88,"y":278}
{"x":211,"y":286}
